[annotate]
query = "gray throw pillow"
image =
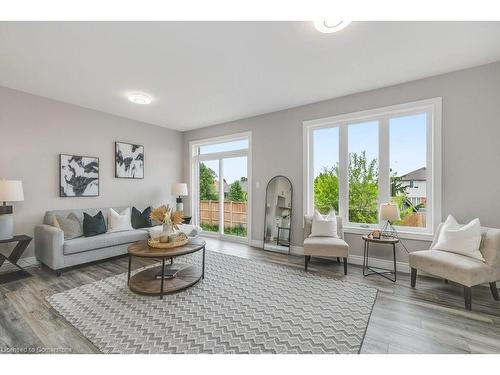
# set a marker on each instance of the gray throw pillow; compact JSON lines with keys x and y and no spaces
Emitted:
{"x":71,"y":226}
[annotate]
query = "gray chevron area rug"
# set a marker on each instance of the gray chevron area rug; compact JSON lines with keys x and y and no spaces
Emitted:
{"x":242,"y":306}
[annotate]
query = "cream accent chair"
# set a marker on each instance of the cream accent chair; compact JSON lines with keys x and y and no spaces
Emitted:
{"x":325,"y":247}
{"x":462,"y":269}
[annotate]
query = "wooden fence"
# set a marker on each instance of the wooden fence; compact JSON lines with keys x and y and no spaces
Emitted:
{"x":235,"y":213}
{"x":416,"y":219}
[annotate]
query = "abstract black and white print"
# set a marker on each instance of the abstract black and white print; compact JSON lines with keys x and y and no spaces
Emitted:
{"x":79,"y":176}
{"x":129,"y":160}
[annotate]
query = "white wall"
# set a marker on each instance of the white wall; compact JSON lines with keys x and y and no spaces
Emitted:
{"x":34,"y":130}
{"x":470,"y":145}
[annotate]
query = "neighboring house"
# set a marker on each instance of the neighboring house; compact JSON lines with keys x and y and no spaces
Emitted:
{"x":416,"y":185}
{"x":243,"y":183}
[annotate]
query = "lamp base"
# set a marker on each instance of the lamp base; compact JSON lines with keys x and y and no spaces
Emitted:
{"x":179,"y":205}
{"x":388,"y":230}
{"x":6,"y":227}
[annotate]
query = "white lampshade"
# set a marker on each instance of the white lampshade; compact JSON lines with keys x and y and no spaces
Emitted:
{"x":389,"y":212}
{"x":11,"y":191}
{"x":180,"y":189}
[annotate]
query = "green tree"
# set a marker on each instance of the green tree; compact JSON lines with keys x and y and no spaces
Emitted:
{"x":207,"y":184}
{"x":326,"y":190}
{"x":397,"y":187}
{"x":363,"y":189}
{"x":236,"y":193}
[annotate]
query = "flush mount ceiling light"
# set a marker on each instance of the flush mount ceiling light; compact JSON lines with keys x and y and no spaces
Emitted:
{"x":328,"y":27}
{"x":139,"y":98}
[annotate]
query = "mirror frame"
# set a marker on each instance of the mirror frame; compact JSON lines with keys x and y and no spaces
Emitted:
{"x":291,"y":214}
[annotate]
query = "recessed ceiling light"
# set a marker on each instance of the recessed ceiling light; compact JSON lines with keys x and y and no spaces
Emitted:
{"x":330,"y":26}
{"x":139,"y":98}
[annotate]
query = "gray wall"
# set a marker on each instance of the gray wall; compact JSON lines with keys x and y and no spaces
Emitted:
{"x":34,"y":130}
{"x":471,"y":144}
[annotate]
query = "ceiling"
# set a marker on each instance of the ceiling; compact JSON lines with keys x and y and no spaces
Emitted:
{"x":203,"y":73}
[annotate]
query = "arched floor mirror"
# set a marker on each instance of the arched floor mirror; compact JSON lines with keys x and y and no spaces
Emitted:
{"x":278,"y":215}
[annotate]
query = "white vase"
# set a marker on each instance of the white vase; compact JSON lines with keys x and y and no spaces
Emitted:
{"x":168,"y":229}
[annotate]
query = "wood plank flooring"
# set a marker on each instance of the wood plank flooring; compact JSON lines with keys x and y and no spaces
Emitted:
{"x":428,"y":319}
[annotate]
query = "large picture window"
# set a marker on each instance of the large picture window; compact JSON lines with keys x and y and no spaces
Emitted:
{"x":355,"y":162}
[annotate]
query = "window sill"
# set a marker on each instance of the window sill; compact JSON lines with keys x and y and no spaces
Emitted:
{"x":404,"y":235}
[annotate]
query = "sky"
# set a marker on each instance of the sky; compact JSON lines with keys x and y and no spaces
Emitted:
{"x":234,"y":168}
{"x":407,"y":143}
{"x":407,"y":147}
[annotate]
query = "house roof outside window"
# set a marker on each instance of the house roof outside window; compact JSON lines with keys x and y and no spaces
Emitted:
{"x":416,"y":175}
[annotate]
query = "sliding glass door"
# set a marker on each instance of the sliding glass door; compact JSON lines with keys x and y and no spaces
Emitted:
{"x":208,"y":204}
{"x":222,"y":188}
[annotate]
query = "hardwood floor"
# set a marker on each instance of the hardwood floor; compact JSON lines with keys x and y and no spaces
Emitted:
{"x":428,"y":319}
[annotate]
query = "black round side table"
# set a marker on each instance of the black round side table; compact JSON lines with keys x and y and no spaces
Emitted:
{"x":366,"y":256}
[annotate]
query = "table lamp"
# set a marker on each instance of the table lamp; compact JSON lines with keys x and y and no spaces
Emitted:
{"x":180,"y":190}
{"x":10,"y":191}
{"x":389,"y":213}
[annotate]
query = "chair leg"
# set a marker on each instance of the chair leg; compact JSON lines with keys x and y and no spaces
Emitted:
{"x":307,"y":258}
{"x":413,"y":277}
{"x":345,"y":266}
{"x":468,"y":297}
{"x":494,"y":291}
{"x":338,"y":260}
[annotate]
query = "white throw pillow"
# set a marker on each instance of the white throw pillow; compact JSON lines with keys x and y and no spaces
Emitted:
{"x":324,"y":225}
{"x":460,"y":239}
{"x":119,"y":222}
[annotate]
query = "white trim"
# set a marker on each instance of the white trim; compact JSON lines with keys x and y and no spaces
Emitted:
{"x":358,"y":260}
{"x":380,"y":263}
{"x":433,"y":108}
{"x":194,"y":160}
{"x":366,"y":115}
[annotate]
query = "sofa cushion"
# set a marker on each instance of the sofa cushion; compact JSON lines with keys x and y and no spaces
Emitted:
{"x":324,"y":225}
{"x":141,"y":219}
{"x":460,"y":239}
{"x":454,"y":267}
{"x":326,"y":246}
{"x":70,"y":225}
{"x":81,"y":244}
{"x":93,"y":225}
{"x":49,"y":215}
{"x":119,"y":222}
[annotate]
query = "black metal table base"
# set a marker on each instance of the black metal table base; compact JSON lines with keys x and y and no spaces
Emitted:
{"x":22,"y":243}
{"x":378,"y":271}
{"x":162,"y":279}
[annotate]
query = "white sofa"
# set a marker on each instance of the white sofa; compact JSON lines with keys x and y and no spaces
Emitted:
{"x":56,"y":253}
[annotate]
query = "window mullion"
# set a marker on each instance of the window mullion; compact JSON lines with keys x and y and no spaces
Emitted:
{"x":384,"y":169}
{"x":343,"y":173}
{"x":221,"y":196}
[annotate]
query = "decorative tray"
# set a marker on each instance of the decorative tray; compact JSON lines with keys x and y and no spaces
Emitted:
{"x":180,"y":241}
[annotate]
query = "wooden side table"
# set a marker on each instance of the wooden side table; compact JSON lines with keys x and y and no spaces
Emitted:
{"x":22,"y":243}
{"x":153,"y":281}
{"x":366,"y":256}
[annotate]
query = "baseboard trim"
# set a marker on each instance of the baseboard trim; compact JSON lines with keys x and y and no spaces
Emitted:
{"x":352,"y":259}
{"x":294,"y":250}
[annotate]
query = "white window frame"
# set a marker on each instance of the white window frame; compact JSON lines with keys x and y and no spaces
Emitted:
{"x":194,"y":160}
{"x":433,"y":108}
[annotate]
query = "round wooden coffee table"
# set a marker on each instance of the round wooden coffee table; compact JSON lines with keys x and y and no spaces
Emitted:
{"x":163,"y":279}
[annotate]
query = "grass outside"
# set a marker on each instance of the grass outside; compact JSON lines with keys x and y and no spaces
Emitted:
{"x":234,"y":231}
